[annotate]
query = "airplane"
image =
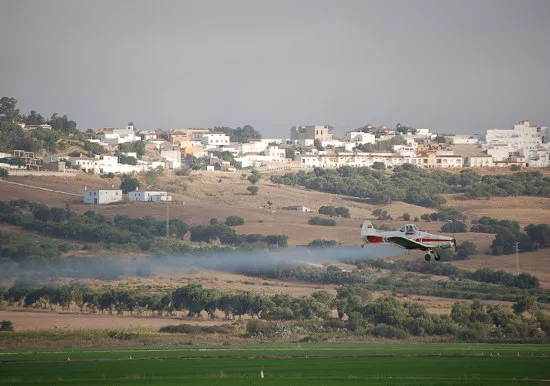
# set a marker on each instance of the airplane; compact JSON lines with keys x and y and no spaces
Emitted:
{"x":408,"y":237}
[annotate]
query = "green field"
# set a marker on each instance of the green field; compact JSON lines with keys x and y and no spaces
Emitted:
{"x":297,"y":364}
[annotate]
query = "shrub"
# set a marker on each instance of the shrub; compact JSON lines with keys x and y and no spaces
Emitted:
{"x":253,"y":178}
{"x":355,"y":321}
{"x":406,"y":217}
{"x":4,"y":172}
{"x":381,"y":214}
{"x":121,"y":335}
{"x":190,"y":329}
{"x":234,"y":221}
{"x":260,"y":328}
{"x":333,"y":211}
{"x":322,"y":243}
{"x":454,"y":227}
{"x":465,"y":250}
{"x":253,"y":190}
{"x":321,"y":221}
{"x":6,"y":325}
{"x":386,"y":331}
{"x":183,"y":172}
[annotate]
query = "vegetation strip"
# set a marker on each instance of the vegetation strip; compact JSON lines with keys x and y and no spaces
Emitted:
{"x":305,"y":355}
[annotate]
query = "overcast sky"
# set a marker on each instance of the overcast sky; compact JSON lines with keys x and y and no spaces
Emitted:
{"x":455,"y":66}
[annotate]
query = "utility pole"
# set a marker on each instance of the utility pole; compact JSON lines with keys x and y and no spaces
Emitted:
{"x":167,"y":217}
{"x":517,"y":258}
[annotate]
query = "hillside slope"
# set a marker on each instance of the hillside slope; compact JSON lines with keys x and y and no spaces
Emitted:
{"x":216,"y":194}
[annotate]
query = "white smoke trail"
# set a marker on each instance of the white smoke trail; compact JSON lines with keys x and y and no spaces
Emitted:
{"x":236,"y":260}
{"x":230,"y":261}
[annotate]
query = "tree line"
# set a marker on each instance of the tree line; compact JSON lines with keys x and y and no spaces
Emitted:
{"x":91,"y":227}
{"x":13,"y":137}
{"x":486,"y":275}
{"x":415,"y":185}
{"x":507,"y":233}
{"x":356,"y":310}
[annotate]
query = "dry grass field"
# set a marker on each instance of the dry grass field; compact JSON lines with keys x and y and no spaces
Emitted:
{"x":218,"y":194}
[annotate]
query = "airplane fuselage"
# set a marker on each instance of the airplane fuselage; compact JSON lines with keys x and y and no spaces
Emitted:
{"x":428,"y":239}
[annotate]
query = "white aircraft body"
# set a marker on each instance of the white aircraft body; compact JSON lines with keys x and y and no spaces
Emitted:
{"x":408,"y":237}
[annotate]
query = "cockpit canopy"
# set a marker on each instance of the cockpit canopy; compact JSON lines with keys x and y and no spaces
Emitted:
{"x":409,"y":229}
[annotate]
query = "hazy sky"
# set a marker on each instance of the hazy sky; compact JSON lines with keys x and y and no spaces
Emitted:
{"x":456,"y":66}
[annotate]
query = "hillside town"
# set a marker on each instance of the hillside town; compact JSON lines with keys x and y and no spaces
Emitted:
{"x":127,"y":150}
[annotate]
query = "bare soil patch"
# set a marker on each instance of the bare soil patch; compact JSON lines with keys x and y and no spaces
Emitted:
{"x":44,"y":320}
{"x":524,"y":210}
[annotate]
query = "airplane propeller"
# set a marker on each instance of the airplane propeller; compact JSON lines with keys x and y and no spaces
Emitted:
{"x":454,"y":243}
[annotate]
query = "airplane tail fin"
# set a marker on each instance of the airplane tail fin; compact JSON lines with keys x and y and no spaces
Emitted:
{"x":368,"y":229}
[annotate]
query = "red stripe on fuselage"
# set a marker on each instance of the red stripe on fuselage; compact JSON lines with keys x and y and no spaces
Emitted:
{"x":376,"y":239}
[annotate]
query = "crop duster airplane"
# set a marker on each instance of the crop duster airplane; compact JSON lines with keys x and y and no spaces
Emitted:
{"x":408,"y":237}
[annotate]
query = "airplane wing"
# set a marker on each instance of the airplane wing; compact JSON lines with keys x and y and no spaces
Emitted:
{"x":407,"y":243}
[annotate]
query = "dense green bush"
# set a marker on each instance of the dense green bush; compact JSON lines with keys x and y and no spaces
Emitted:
{"x":334,"y":211}
{"x":6,"y":325}
{"x":322,"y":243}
{"x":234,"y":221}
{"x":321,"y":221}
{"x":454,"y":227}
{"x":195,"y":329}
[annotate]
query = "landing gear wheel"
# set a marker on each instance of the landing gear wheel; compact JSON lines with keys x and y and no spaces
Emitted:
{"x":362,"y":245}
{"x":437,"y":257}
{"x":427,"y":257}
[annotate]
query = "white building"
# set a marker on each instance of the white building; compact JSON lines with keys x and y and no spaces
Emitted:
{"x":424,"y":133}
{"x":348,"y":159}
{"x":499,"y":152}
{"x":348,"y":146}
{"x":273,"y":155}
{"x":359,"y":137}
{"x":313,"y":132}
{"x":269,"y":141}
{"x":118,"y":136}
{"x":103,"y":164}
{"x":405,"y":150}
{"x":524,"y":136}
{"x":388,"y":159}
{"x":479,"y":161}
{"x":214,"y":138}
{"x":252,"y":146}
{"x":538,"y":158}
{"x":102,"y":196}
{"x":300,"y":142}
{"x":465,"y":139}
{"x":173,"y":158}
{"x":82,"y":162}
{"x":449,"y":161}
{"x":149,"y":196}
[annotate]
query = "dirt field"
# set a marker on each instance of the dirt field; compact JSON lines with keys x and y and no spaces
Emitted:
{"x":37,"y":320}
{"x":524,"y":210}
